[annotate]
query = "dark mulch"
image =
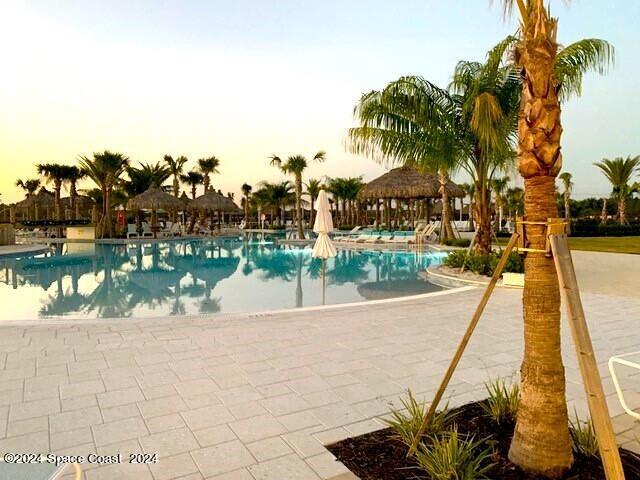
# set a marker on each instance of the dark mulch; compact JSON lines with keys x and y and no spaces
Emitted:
{"x":377,"y":456}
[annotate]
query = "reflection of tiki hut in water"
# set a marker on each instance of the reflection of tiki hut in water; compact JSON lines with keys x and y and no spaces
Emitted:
{"x":43,"y":272}
{"x":405,"y":186}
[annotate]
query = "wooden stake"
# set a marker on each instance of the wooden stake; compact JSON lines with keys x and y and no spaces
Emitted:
{"x":465,"y":340}
{"x":586,"y":358}
{"x":471,"y":245}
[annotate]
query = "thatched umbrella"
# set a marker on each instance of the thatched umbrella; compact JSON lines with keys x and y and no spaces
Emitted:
{"x":405,"y":183}
{"x":44,"y":198}
{"x":154,"y":199}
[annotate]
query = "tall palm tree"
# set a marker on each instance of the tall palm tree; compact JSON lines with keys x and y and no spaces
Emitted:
{"x":246,"y":191}
{"x":207,"y":167}
{"x":193,"y":179}
{"x":55,"y":173}
{"x":105,"y":169}
{"x":620,"y":172}
{"x":469,"y":126}
{"x":549,"y":74}
{"x":567,"y":184}
{"x":295,"y":165}
{"x":29,"y":186}
{"x":499,"y":187}
{"x":176,"y":166}
{"x":72,"y":175}
{"x":313,"y":190}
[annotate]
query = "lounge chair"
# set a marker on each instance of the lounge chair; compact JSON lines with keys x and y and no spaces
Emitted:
{"x":132,"y":231}
{"x":386,"y":237}
{"x":146,"y":230}
{"x":373,"y":239}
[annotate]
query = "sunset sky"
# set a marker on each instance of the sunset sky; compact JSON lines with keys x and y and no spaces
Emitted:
{"x":242,"y":79}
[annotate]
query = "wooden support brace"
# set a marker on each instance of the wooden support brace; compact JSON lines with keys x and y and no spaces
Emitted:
{"x":465,"y":340}
{"x":586,"y":359}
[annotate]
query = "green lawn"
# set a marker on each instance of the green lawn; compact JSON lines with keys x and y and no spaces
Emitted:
{"x":601,"y":244}
{"x":606,"y":244}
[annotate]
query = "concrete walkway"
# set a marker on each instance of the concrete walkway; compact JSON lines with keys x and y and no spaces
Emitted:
{"x":615,"y":274}
{"x":255,"y":397}
{"x":22,"y":249}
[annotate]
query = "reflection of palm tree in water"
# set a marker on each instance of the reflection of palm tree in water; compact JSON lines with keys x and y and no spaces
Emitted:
{"x":348,"y":267}
{"x":64,"y":302}
{"x":109,"y":298}
{"x":299,"y":279}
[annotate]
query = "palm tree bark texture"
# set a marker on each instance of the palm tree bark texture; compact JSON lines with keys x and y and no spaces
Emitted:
{"x":541,"y":441}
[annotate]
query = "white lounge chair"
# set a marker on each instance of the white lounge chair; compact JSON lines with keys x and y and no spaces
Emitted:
{"x":132,"y":231}
{"x":146,"y":230}
{"x":373,"y":239}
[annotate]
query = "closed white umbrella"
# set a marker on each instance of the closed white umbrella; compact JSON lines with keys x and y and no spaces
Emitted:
{"x":323,"y":225}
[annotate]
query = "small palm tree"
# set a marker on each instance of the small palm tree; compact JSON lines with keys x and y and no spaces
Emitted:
{"x":620,"y":172}
{"x":208,"y":166}
{"x":105,"y":169}
{"x":296,"y":165}
{"x":193,"y":179}
{"x":567,"y":184}
{"x":499,"y":186}
{"x":313,"y":190}
{"x":275,"y":197}
{"x":57,"y":174}
{"x":29,"y":186}
{"x":176,"y":165}
{"x":515,"y":202}
{"x":246,"y":191}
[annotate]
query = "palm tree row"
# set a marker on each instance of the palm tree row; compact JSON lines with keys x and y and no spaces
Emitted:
{"x":106,"y":169}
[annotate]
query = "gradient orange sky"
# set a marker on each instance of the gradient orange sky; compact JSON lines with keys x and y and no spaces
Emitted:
{"x":242,"y":80}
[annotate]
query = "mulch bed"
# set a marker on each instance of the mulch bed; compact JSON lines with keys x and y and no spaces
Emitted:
{"x":378,"y":456}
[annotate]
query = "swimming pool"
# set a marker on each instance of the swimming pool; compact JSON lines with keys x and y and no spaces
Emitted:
{"x":81,"y":280}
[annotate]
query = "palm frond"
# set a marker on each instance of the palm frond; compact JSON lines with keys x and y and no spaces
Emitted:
{"x":573,"y":61}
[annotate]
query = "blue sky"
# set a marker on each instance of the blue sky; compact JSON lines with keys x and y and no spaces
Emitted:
{"x":244,"y":79}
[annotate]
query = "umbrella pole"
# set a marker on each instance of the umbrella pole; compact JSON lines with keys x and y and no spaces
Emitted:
{"x":324,"y":284}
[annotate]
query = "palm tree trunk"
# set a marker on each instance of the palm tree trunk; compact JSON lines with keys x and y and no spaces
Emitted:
{"x":176,"y":186}
{"x":567,"y":211}
{"x":446,"y":232}
{"x":58,"y":206}
{"x":313,"y":211}
{"x":603,"y":213}
{"x":541,"y":441}
{"x":622,"y":210}
{"x":299,"y":206}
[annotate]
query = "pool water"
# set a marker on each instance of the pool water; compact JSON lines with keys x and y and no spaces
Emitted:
{"x":199,"y":276}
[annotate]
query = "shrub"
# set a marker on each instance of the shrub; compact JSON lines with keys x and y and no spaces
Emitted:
{"x":502,"y":404}
{"x":584,"y":437}
{"x":592,"y":227}
{"x":483,"y":263}
{"x":407,"y":424}
{"x":453,"y":458}
{"x":457,"y":242}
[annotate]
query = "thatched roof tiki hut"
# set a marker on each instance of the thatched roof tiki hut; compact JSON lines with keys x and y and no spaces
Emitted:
{"x":213,"y":201}
{"x":154,"y":199}
{"x":43,"y":200}
{"x":405,"y":186}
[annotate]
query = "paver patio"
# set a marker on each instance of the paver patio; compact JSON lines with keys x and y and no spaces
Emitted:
{"x":255,"y":397}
